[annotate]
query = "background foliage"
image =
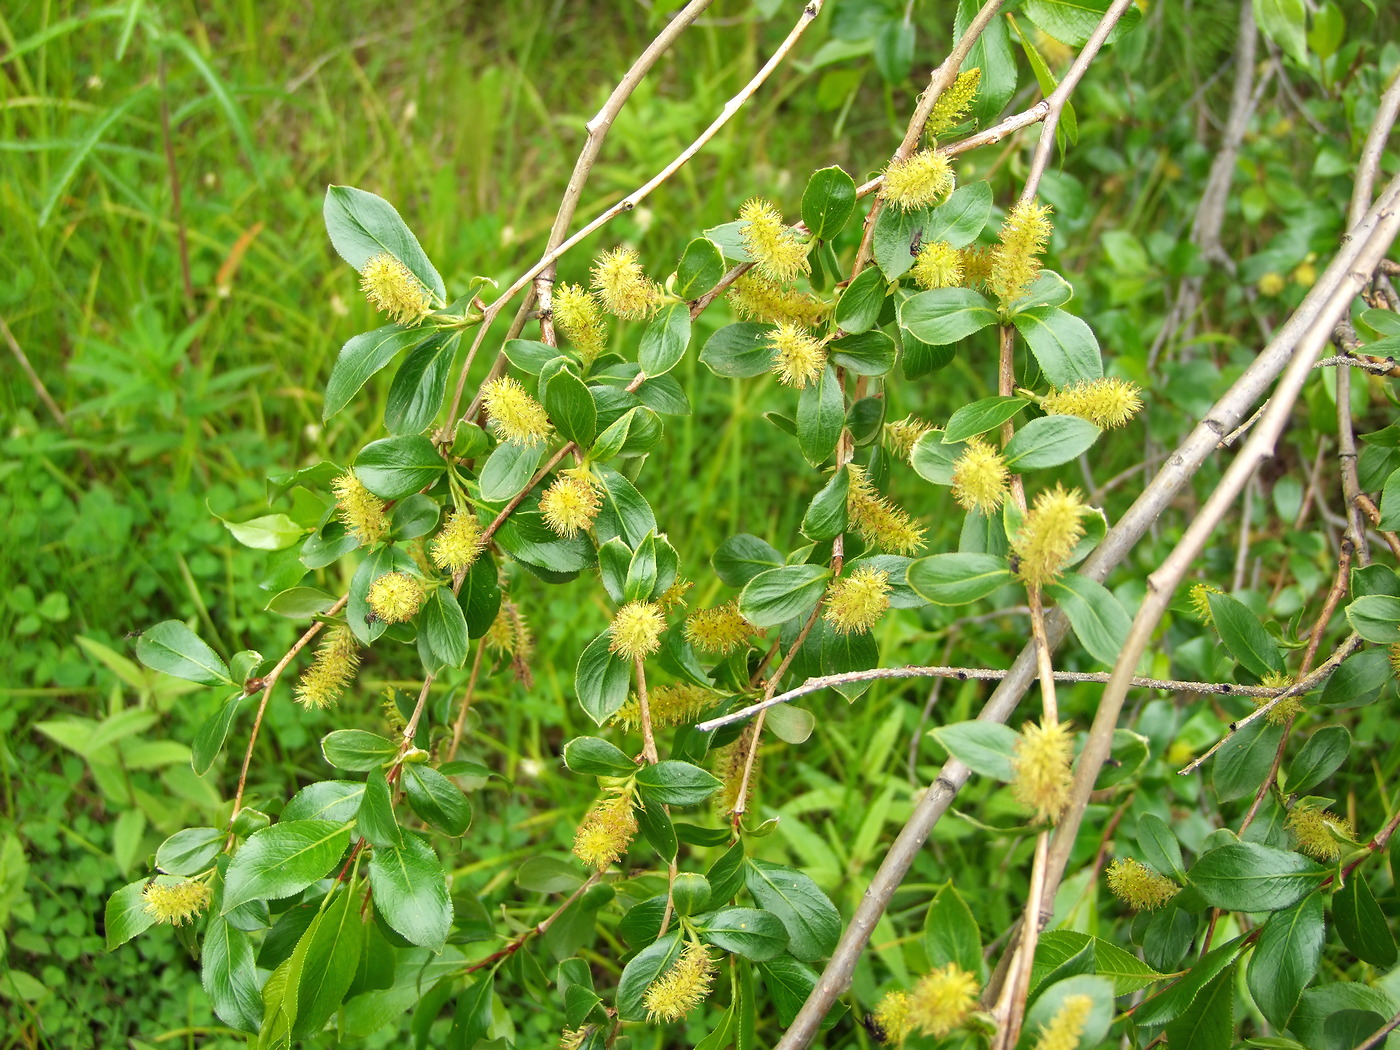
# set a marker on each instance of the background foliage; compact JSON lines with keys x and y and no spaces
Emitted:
{"x":177,"y":405}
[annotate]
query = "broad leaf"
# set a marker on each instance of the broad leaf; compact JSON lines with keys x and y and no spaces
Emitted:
{"x":282,"y":860}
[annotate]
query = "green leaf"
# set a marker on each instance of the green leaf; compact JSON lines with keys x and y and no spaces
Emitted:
{"x":1245,"y":876}
{"x":480,"y":596}
{"x":444,"y":627}
{"x":1246,"y":638}
{"x":777,"y":595}
{"x":362,"y":225}
{"x":790,"y":984}
{"x":1361,"y":923}
{"x":700,"y":269}
{"x":415,"y":516}
{"x":867,"y":354}
{"x":828,"y":202}
{"x":395,"y":467}
{"x":420,"y":384}
{"x":1244,"y":760}
{"x":375,"y":821}
{"x":302,"y":603}
{"x":896,"y":233}
{"x":980,"y":417}
{"x":1319,"y":758}
{"x":637,"y":976}
{"x":1376,"y":617}
{"x":1127,"y":971}
{"x":410,"y":892}
{"x":509,"y":469}
{"x":742,"y":557}
{"x":1063,"y":345}
{"x":826,"y":516}
{"x":602,"y":679}
{"x":551,"y":875}
{"x":1169,"y":1004}
{"x":821,"y":413}
{"x":282,"y":860}
{"x":1099,"y":620}
{"x":209,"y":740}
{"x":1285,"y":959}
{"x":673,"y":783}
{"x":1208,"y":1022}
{"x":945,"y":315}
{"x":956,"y":579}
{"x":270,"y":532}
{"x":172,"y":648}
{"x":1358,"y":681}
{"x":530,"y":356}
{"x":640,"y":581}
{"x":657,"y":829}
{"x":1072,"y":22}
{"x":325,"y":961}
{"x":229,"y":974}
{"x":1285,"y":23}
{"x":125,"y":915}
{"x":986,"y":748}
{"x":334,"y":800}
{"x":1049,"y":441}
{"x":625,"y":512}
{"x":190,"y":851}
{"x":690,"y":893}
{"x":1049,"y":289}
{"x":739,"y":351}
{"x":933,"y":461}
{"x":894,"y":50}
{"x":950,"y":932}
{"x":1159,"y":846}
{"x":812,"y":921}
{"x":436,"y":799}
{"x":591,"y":756}
{"x":961,"y":217}
{"x":664,"y":340}
{"x":357,"y":750}
{"x":756,"y":935}
{"x":858,"y":309}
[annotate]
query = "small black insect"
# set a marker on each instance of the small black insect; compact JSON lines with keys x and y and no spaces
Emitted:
{"x":916,"y":242}
{"x":371,"y":618}
{"x":875,"y":1028}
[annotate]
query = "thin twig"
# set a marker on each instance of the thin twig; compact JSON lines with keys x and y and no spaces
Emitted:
{"x":460,"y":725}
{"x":1329,"y":605}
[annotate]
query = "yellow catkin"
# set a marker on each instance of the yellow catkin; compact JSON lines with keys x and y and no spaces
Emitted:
{"x":938,"y":265}
{"x":636,"y":630}
{"x":576,"y":314}
{"x":720,"y":630}
{"x":918,"y":181}
{"x":396,"y":597}
{"x":623,"y":287}
{"x":669,"y":705}
{"x":1287,"y":709}
{"x":799,"y":357}
{"x":757,"y":298}
{"x":1048,"y":536}
{"x":515,"y":415}
{"x":606,"y":831}
{"x":1316,"y":831}
{"x":508,"y":634}
{"x":901,"y":436}
{"x":394,"y":290}
{"x":942,"y":1001}
{"x":980,"y":477}
{"x":681,"y":988}
{"x":175,"y":903}
{"x":1393,"y":653}
{"x":337,"y":658}
{"x":571,"y":503}
{"x":951,"y":108}
{"x":1065,"y":1028}
{"x":879,"y":521}
{"x":1107,"y":403}
{"x":1200,"y":601}
{"x":1271,"y":284}
{"x":856,"y":602}
{"x":891,"y":1018}
{"x":360,"y":509}
{"x":1138,"y":886}
{"x":1015,"y":261}
{"x":1041,"y":765}
{"x":457,"y":546}
{"x":977,"y":265}
{"x":728,"y":768}
{"x":777,"y":253}
{"x":673,"y":597}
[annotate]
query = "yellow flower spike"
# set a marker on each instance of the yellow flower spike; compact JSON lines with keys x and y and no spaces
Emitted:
{"x":1138,"y":886}
{"x":1042,"y":769}
{"x":1016,"y":257}
{"x":636,"y":630}
{"x":879,"y":521}
{"x":337,"y":658}
{"x":757,"y":298}
{"x":396,"y":597}
{"x":576,"y":314}
{"x":942,"y":1000}
{"x":1065,"y":1028}
{"x":508,"y":634}
{"x":1287,"y":708}
{"x":1048,"y":536}
{"x":777,"y":253}
{"x":674,"y":596}
{"x":951,"y":108}
{"x":175,"y":903}
{"x":1200,"y":601}
{"x":939,"y":265}
{"x":515,"y":415}
{"x":980,"y":477}
{"x":359,"y":509}
{"x":918,"y":181}
{"x":457,"y":546}
{"x":976,"y":262}
{"x":681,"y":988}
{"x":623,"y":286}
{"x":799,"y":357}
{"x":904,"y":434}
{"x":1393,"y":653}
{"x":606,"y":832}
{"x":1107,"y":403}
{"x":571,"y":503}
{"x":720,"y":630}
{"x":856,"y":602}
{"x":1316,"y":831}
{"x":892,"y":1018}
{"x":669,"y":705}
{"x":1271,"y":284}
{"x":728,"y":768}
{"x":394,"y":290}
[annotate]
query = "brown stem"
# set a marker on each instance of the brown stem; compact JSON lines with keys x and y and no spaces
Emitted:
{"x":460,"y":725}
{"x":1329,"y":606}
{"x":537,"y":930}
